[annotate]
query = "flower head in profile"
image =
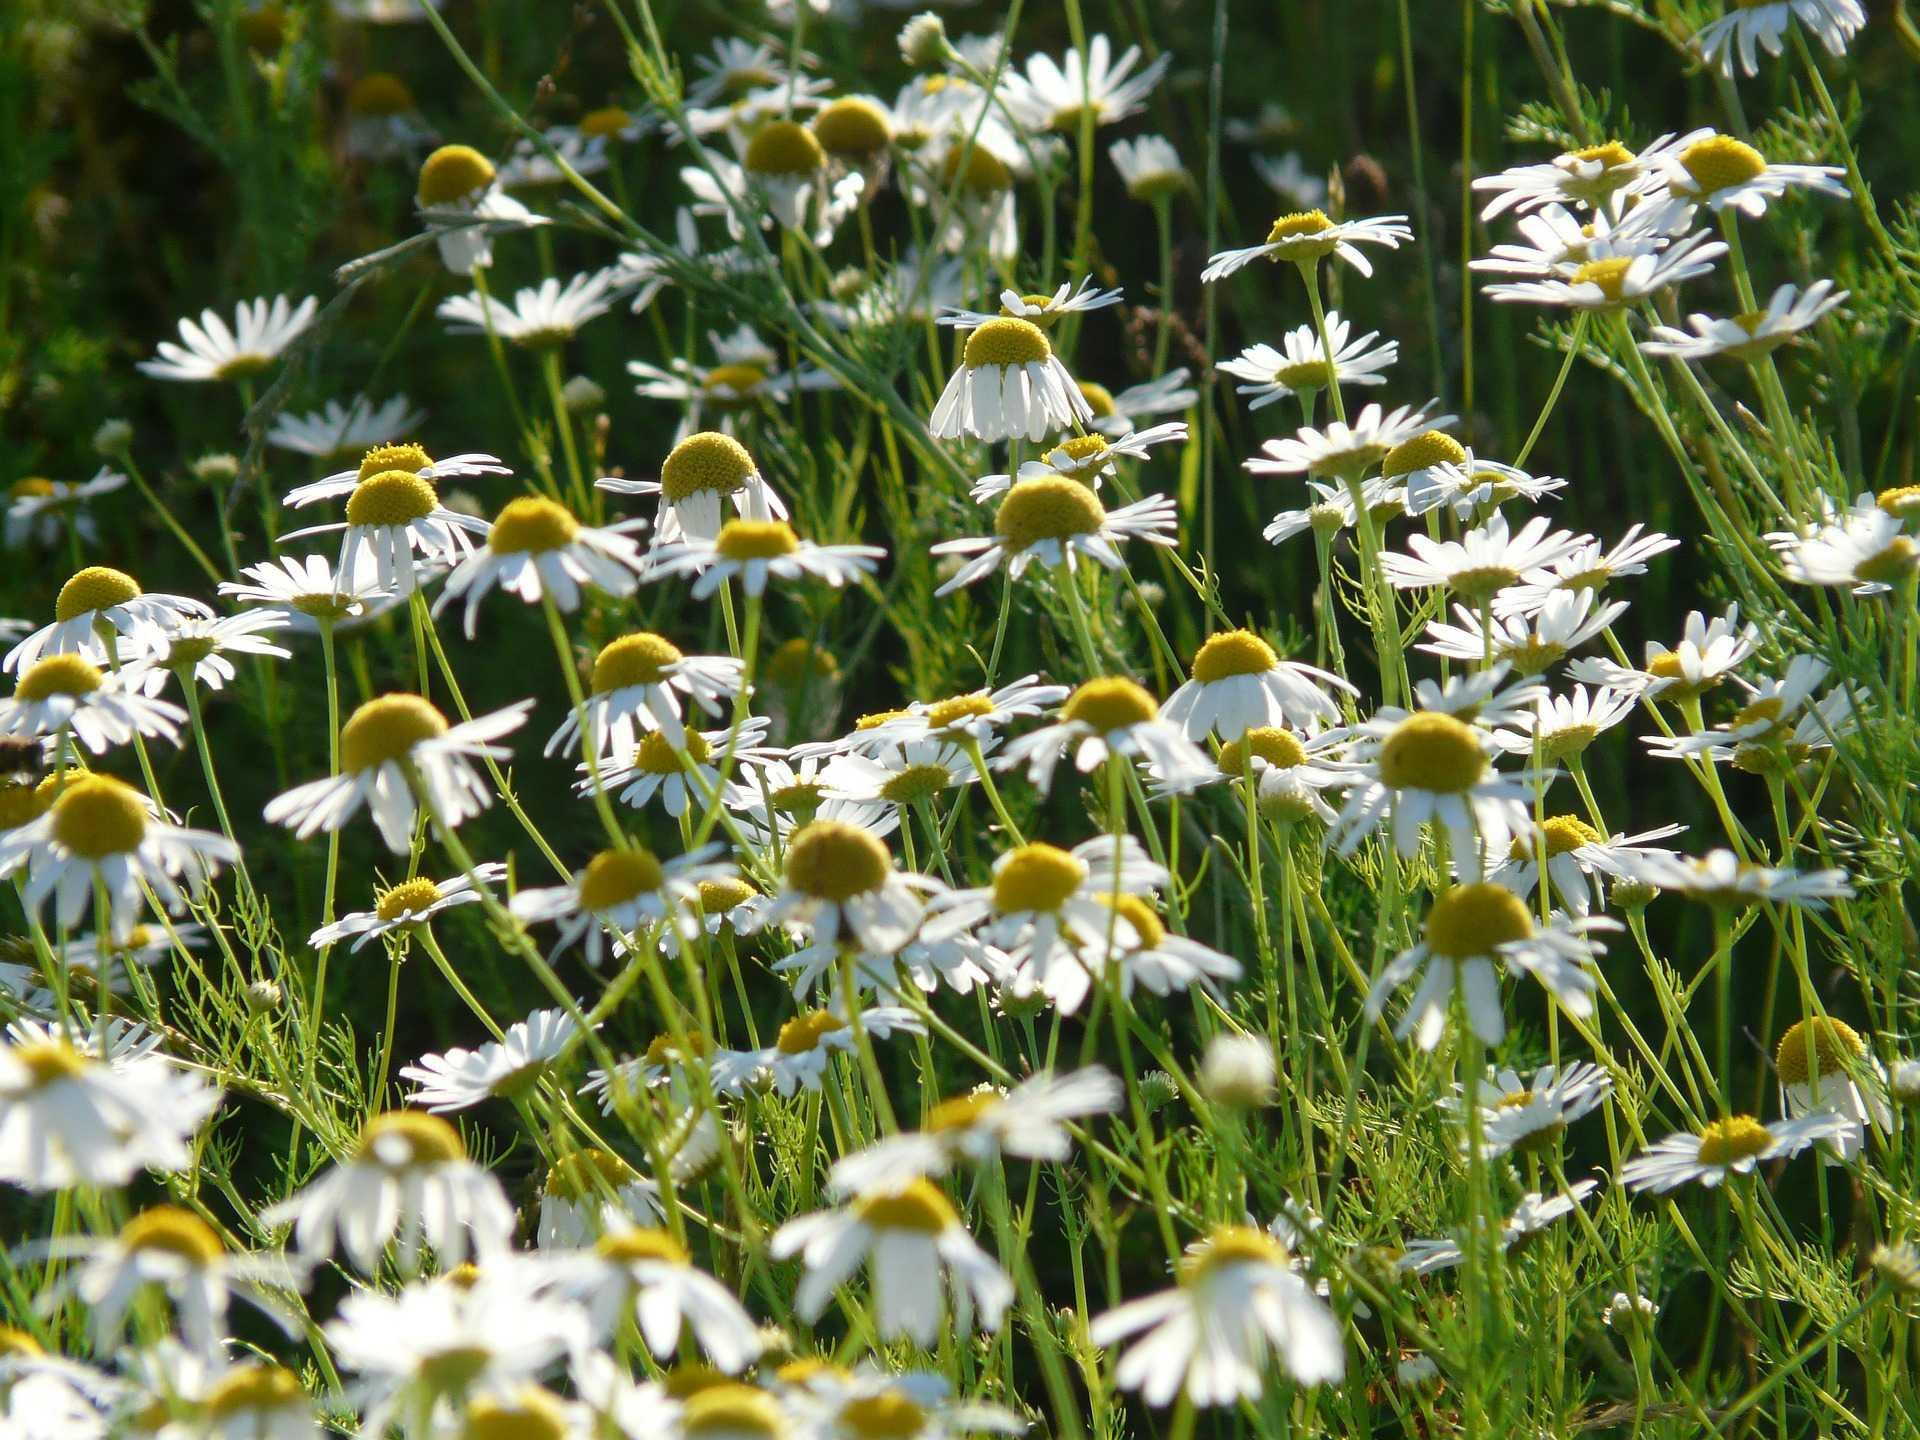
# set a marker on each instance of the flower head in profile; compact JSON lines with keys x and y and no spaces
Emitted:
{"x":1346,"y":449}
{"x":624,"y":892}
{"x":209,"y":350}
{"x":393,"y":516}
{"x":1619,"y":273}
{"x":1009,"y":384}
{"x":702,"y":471}
{"x":1763,"y":25}
{"x":537,"y":550}
{"x":1577,"y":856}
{"x":680,"y":777}
{"x":1707,"y":653}
{"x":406,"y":906}
{"x":1118,"y":414}
{"x":1086,"y":458}
{"x":1532,"y":1215}
{"x":1110,"y":718}
{"x":1725,"y":1148}
{"x":1865,"y":549}
{"x":588,"y":1193}
{"x":462,"y":1078}
{"x":1150,"y":168}
{"x":1307,"y":237}
{"x":1056,"y":95}
{"x":1593,"y":177}
{"x":841,"y":883}
{"x":1056,"y":520}
{"x":757,"y":552}
{"x":1531,"y":644}
{"x":195,"y":650}
{"x":1722,"y":878}
{"x":1789,"y":310}
{"x":70,"y":695}
{"x":386,"y":454}
{"x":41,"y":510}
{"x":1238,"y":684}
{"x":1042,"y":310}
{"x":645,"y":1272}
{"x":1299,"y":366}
{"x":335,"y":431}
{"x":462,"y":204}
{"x":1824,"y":1067}
{"x":102,"y":614}
{"x":801,"y":1052}
{"x":1719,"y":171}
{"x":539,"y":317}
{"x":1530,"y":1113}
{"x":640,"y":682}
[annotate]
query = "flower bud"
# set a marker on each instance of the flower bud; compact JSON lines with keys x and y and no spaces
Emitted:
{"x":113,"y":438}
{"x":923,"y":41}
{"x":1237,"y":1070}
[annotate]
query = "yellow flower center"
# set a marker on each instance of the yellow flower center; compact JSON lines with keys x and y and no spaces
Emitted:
{"x":655,"y":754}
{"x":530,"y":1414}
{"x":919,"y":1207}
{"x":962,"y":1112}
{"x":803,"y":797}
{"x":97,"y":816}
{"x":1432,"y":751}
{"x":1295,"y":235}
{"x":641,"y":1243}
{"x":32,"y":485}
{"x":1233,"y":652}
{"x":705,"y":461}
{"x":254,"y":1388}
{"x":1833,"y":1042}
{"x":809,"y":1368}
{"x":1279,"y":748}
{"x":952,"y":711}
{"x":731,"y":1411}
{"x":409,"y":897}
{"x":717,"y":897}
{"x":1563,"y":834}
{"x":1037,"y":877}
{"x":732,"y":385}
{"x":95,"y":588}
{"x":1569,"y":740}
{"x":665,"y":1050}
{"x":382,"y":458}
{"x":852,"y":127}
{"x":804,"y":1033}
{"x":1721,"y":162}
{"x":1609,"y":275}
{"x":453,"y":173}
{"x":832,"y":860}
{"x":608,"y":121}
{"x":638,"y":659}
{"x":1050,"y":508}
{"x":756,"y":540}
{"x":380,"y":95}
{"x":1007,"y":341}
{"x":615,"y":877}
{"x":1473,"y":920}
{"x":173,"y":1231}
{"x":1232,"y":1245}
{"x":1517,"y":1100}
{"x":48,"y":1061}
{"x":784,"y":148}
{"x":385,"y":729}
{"x":587,"y":1173}
{"x":1308,"y":375}
{"x":1110,"y":704}
{"x":57,"y":675}
{"x":17,"y":1342}
{"x":916,"y":783}
{"x":1667,"y":666}
{"x":393,"y":497}
{"x":531,"y":524}
{"x":984,"y":174}
{"x":887,"y":1416}
{"x":1611,"y":154}
{"x":1739,"y":1137}
{"x":1085,"y":450}
{"x":1901,"y":500}
{"x":429,"y":1140}
{"x":1428,"y":448}
{"x":1138,"y":912}
{"x":1099,"y":399}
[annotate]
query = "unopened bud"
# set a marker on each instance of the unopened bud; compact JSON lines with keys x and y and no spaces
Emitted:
{"x":923,"y":41}
{"x":1237,"y":1070}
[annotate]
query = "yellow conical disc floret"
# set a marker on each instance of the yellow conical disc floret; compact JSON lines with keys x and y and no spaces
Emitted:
{"x":707,"y":460}
{"x":385,"y":729}
{"x":392,"y":497}
{"x":1608,"y":275}
{"x":405,"y":1139}
{"x":605,"y":122}
{"x":97,"y":587}
{"x":1475,"y":920}
{"x":66,"y":674}
{"x":853,"y":127}
{"x":408,"y":457}
{"x":409,"y":897}
{"x":1432,"y":751}
{"x":1834,"y":1046}
{"x":1036,"y":877}
{"x":1295,"y":234}
{"x":251,"y":1389}
{"x":1721,"y":162}
{"x":1430,"y":447}
{"x":1138,"y":912}
{"x":1562,"y":835}
{"x":616,"y":877}
{"x":638,"y":659}
{"x":173,"y":1231}
{"x":529,"y":1413}
{"x":1739,"y":1137}
{"x":889,"y":1415}
{"x":1231,"y":1245}
{"x":586,"y":1173}
{"x":728,"y":1410}
{"x":743,"y":540}
{"x":919,"y":1207}
{"x":1109,"y":704}
{"x":1279,"y":748}
{"x":832,"y":860}
{"x":453,"y":173}
{"x":380,"y":95}
{"x":641,"y":1243}
{"x":1007,"y":341}
{"x":1230,"y":653}
{"x":531,"y":524}
{"x":97,"y":816}
{"x":1050,"y":508}
{"x":783,"y":148}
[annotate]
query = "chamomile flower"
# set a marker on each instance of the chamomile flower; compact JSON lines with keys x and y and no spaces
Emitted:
{"x":1565,"y":725}
{"x":539,"y":316}
{"x":101,"y":833}
{"x":306,"y":590}
{"x":1299,"y":366}
{"x":1481,"y":562}
{"x":1766,"y":720}
{"x":1764,"y":24}
{"x":1115,"y":415}
{"x":1307,"y":237}
{"x":1481,"y":698}
{"x":1824,"y":1067}
{"x":647,"y":1273}
{"x":1517,"y":1113}
{"x":701,"y":471}
{"x":917,"y":1249}
{"x":392,"y":517}
{"x":1721,"y":878}
{"x":1055,"y":520}
{"x":1054,"y":95}
{"x":1238,"y":1306}
{"x":1085,"y":458}
{"x":783,"y":172}
{"x":779,"y":792}
{"x":657,"y":768}
{"x":1238,"y":684}
{"x":462,"y":204}
{"x":1028,"y":1121}
{"x":262,"y":330}
{"x":40,"y":510}
{"x":1561,"y":240}
{"x":757,"y":551}
{"x":800,"y":1053}
{"x":1590,"y":177}
{"x":408,"y":1178}
{"x":589,"y":1193}
{"x":407,"y":905}
{"x":1533,"y":1214}
{"x":396,"y":750}
{"x":977,"y":715}
{"x":627,"y":891}
{"x":830,"y":1403}
{"x":1144,"y":953}
{"x":1707,"y":652}
{"x":979,"y":165}
{"x":1788,"y":311}
{"x":68,"y":694}
{"x":1333,"y":510}
{"x":841,"y":883}
{"x":1864,"y":548}
{"x":537,"y":550}
{"x":1043,"y":311}
{"x":1577,"y":857}
{"x":1110,"y":718}
{"x":1719,"y":171}
{"x":1407,"y":770}
{"x":403,"y":456}
{"x":640,"y":682}
{"x":100,"y":607}
{"x":1531,"y":644}
{"x":1590,"y":565}
{"x":462,"y":1078}
{"x":74,"y":1114}
{"x":1620,"y":273}
{"x":337,"y":430}
{"x":1009,"y":384}
{"x":914,"y":773}
{"x":196,"y":650}
{"x":1150,"y":168}
{"x":1345,"y":449}
{"x":734,"y":66}
{"x":1726,"y":1148}
{"x":1290,"y":770}
{"x":1468,"y":929}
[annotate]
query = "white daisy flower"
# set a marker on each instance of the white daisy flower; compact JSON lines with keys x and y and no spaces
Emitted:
{"x":1333,"y":510}
{"x":1590,"y":177}
{"x":195,"y":650}
{"x":1009,"y":384}
{"x":72,"y":1114}
{"x":1110,"y":718}
{"x":1625,"y":274}
{"x":256,"y":1400}
{"x":979,"y":166}
{"x":912,"y":773}
{"x":1562,"y":240}
{"x":1729,"y":1147}
{"x":758,"y":551}
{"x":1482,"y":561}
{"x":1765,"y":720}
{"x":40,"y":510}
{"x":841,"y":883}
{"x":409,"y":1177}
{"x":1345,"y":448}
{"x":648,"y":1273}
{"x":539,"y":316}
{"x":1565,"y":725}
{"x":1054,"y":520}
{"x":1460,"y":479}
{"x":733,"y":66}
{"x":395,"y":750}
{"x":912,"y":1240}
{"x":777,"y":793}
{"x":1041,"y":310}
{"x":1517,"y":1113}
{"x":1591,"y":565}
{"x":535,"y":548}
{"x":1721,"y":878}
{"x":801,"y":1051}
{"x":462,"y":1078}
{"x":1824,"y":1067}
{"x":1288,"y":177}
{"x":98,"y":607}
{"x":589,"y":1193}
{"x":406,"y":905}
{"x":306,"y":590}
{"x":1470,"y":927}
{"x":102,"y":833}
{"x":657,"y":767}
{"x":338,"y":430}
{"x":1116,"y":415}
{"x":1706,"y":654}
{"x":391,"y":516}
{"x":69,"y":694}
{"x":1531,"y":644}
{"x":529,"y":167}
{"x":1239,"y":684}
{"x":1533,"y":1214}
{"x":1747,"y":337}
{"x":1719,"y":171}
{"x":830,"y":1403}
{"x":626,"y":891}
{"x":1053,"y":95}
{"x":1764,"y":23}
{"x":460,"y":200}
{"x":1482,"y":698}
{"x":640,"y":682}
{"x":1307,"y":236}
{"x":1291,"y":771}
{"x":384,"y":120}
{"x":1149,"y":167}
{"x":262,"y":330}
{"x":1155,"y":959}
{"x":1238,"y":1306}
{"x":1085,"y":458}
{"x":389,"y":455}
{"x":701,"y":471}
{"x":1864,"y":548}
{"x":1028,"y":1121}
{"x":1299,"y":366}
{"x":978,"y":715}
{"x":1577,"y":856}
{"x":782,"y":172}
